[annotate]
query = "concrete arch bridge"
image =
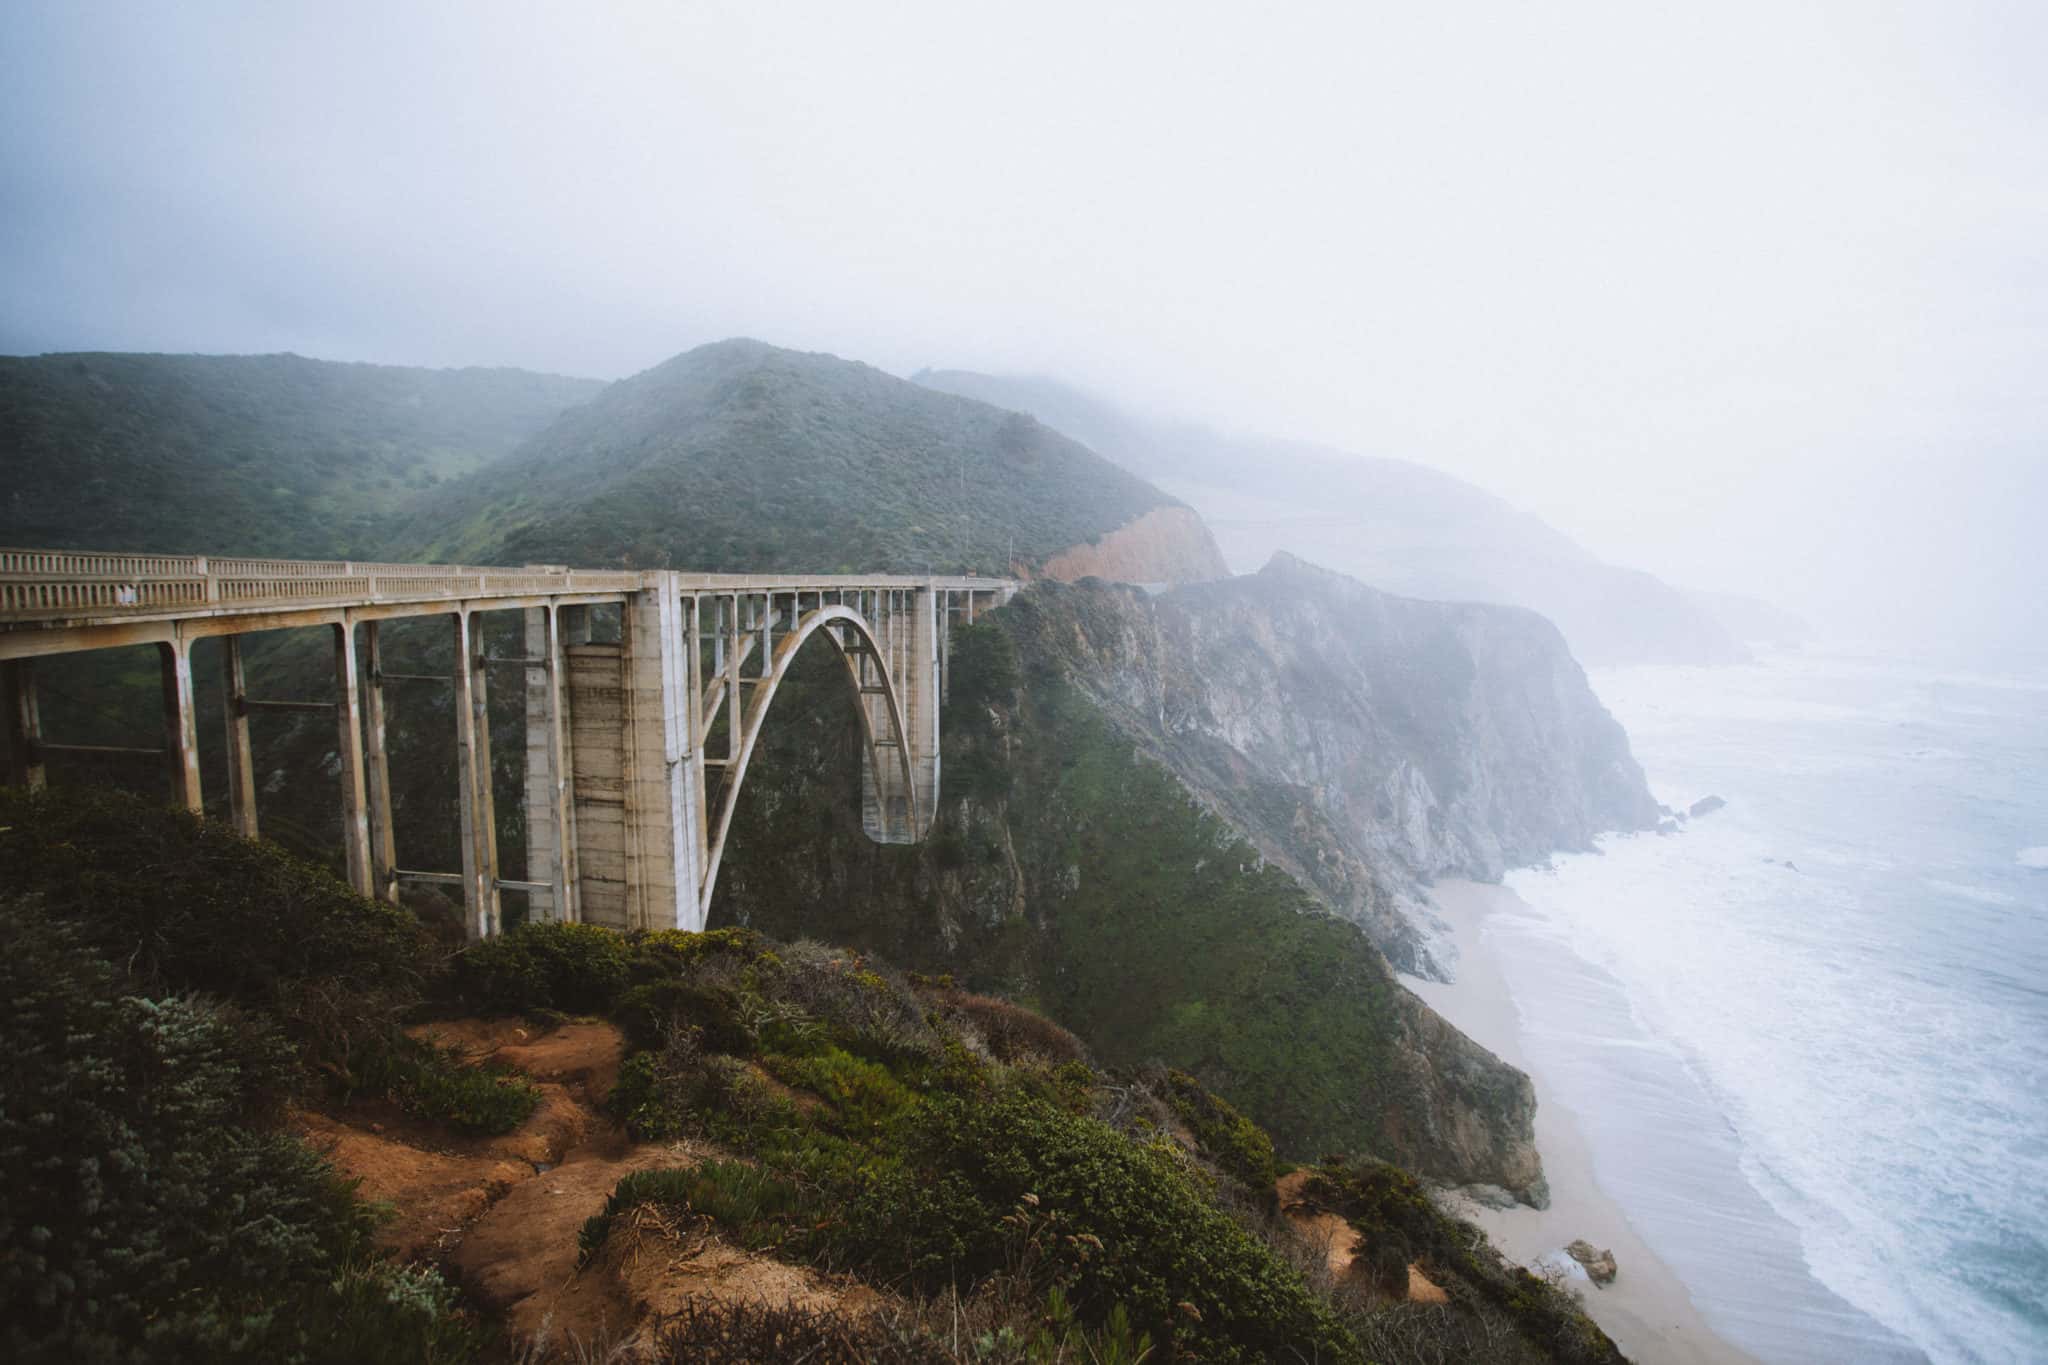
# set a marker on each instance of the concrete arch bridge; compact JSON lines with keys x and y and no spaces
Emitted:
{"x":636,"y":746}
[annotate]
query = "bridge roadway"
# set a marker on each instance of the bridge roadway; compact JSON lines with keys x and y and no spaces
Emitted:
{"x":636,"y":746}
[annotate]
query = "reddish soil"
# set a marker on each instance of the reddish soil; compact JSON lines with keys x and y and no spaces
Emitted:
{"x":503,"y":1214}
{"x":1321,"y":1228}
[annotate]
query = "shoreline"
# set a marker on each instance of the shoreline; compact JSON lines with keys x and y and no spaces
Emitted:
{"x":1647,"y":1309}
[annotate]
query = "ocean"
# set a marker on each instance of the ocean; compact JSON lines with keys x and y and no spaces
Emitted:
{"x":1808,"y":1036}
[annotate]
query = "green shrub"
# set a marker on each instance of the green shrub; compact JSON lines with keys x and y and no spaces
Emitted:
{"x":1400,"y":1223}
{"x":742,"y":1332}
{"x":433,"y":1083}
{"x":648,"y":1013}
{"x":575,"y":968}
{"x":652,"y":1107}
{"x":745,"y":1199}
{"x":188,"y":905}
{"x":860,"y":1097}
{"x":1127,"y":1226}
{"x":1013,"y":1033}
{"x":1236,"y":1144}
{"x":141,"y":1212}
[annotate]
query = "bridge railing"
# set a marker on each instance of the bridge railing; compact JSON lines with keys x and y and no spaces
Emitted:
{"x":59,"y":584}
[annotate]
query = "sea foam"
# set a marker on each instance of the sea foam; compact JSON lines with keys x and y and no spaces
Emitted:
{"x":1869,"y":1029}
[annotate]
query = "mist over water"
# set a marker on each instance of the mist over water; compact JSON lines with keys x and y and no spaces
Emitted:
{"x":1850,"y":962}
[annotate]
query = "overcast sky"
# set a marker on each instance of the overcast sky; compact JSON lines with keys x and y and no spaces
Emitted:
{"x":1750,"y":295}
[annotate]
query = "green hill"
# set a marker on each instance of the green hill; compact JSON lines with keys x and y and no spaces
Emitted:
{"x":744,"y":456}
{"x":247,"y":455}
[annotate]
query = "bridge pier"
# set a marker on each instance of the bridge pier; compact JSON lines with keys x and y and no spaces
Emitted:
{"x":24,"y":720}
{"x":377,"y":762}
{"x":480,"y":899}
{"x":550,"y":764}
{"x":181,"y":732}
{"x":241,"y":754}
{"x":348,"y":730}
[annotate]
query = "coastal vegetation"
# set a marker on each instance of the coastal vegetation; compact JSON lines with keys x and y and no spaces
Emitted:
{"x":743,"y":457}
{"x":246,"y":455}
{"x":182,"y":994}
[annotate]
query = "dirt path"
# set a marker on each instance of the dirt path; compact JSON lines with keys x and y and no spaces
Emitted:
{"x":503,"y":1214}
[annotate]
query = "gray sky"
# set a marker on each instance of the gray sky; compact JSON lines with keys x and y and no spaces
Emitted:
{"x":1750,"y":295}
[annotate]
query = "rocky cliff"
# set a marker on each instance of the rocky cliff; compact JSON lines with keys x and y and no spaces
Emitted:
{"x":1153,"y":805}
{"x":1368,"y":742}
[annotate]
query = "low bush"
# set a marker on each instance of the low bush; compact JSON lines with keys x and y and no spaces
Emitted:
{"x":1400,"y":1222}
{"x":752,"y":1202}
{"x":741,"y":1332}
{"x":1237,"y":1145}
{"x":435,"y":1083}
{"x":187,"y":905}
{"x":144,"y":1211}
{"x":573,"y":968}
{"x":1013,"y":1033}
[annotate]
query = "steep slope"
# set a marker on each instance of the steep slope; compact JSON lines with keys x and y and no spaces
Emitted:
{"x":1154,"y":803}
{"x":1369,"y":742}
{"x":744,"y":456}
{"x":1399,"y":526}
{"x":249,"y":455}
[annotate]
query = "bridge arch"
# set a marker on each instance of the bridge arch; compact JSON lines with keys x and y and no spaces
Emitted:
{"x":857,"y":640}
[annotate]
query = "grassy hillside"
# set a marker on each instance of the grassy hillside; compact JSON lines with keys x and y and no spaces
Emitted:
{"x":246,"y":455}
{"x":1400,"y":526}
{"x":743,"y":456}
{"x":900,"y":1170}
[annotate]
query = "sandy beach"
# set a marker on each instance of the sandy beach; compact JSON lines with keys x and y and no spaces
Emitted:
{"x":1647,"y":1310}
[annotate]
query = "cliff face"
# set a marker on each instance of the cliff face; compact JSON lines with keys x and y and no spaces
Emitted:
{"x":1152,"y":805}
{"x":1368,"y":742}
{"x":1165,"y":545}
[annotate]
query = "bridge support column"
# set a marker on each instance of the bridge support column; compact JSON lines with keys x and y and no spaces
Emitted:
{"x":348,"y":718}
{"x":473,"y":785}
{"x":664,"y":777}
{"x":24,"y":721}
{"x":377,"y":757}
{"x":241,"y":756}
{"x":181,"y":732}
{"x":893,"y":811}
{"x":550,"y":809}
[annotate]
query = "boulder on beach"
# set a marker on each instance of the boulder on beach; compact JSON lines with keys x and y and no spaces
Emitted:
{"x":1706,"y":805}
{"x":1599,"y":1264}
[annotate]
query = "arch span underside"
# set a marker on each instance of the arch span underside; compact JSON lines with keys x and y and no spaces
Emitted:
{"x":859,"y":651}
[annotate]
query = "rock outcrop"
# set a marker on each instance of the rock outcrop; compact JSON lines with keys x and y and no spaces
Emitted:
{"x":1165,"y":545}
{"x":1599,"y":1263}
{"x":1368,"y":742}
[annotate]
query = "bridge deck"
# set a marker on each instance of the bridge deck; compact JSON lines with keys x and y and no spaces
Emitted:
{"x":66,"y":588}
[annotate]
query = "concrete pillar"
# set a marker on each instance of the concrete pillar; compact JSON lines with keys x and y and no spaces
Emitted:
{"x":24,"y":721}
{"x":472,"y":748}
{"x":348,"y":733}
{"x":181,"y":733}
{"x":729,"y":636}
{"x":550,"y":813}
{"x":664,"y":785}
{"x":383,"y":833}
{"x":241,"y":755}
